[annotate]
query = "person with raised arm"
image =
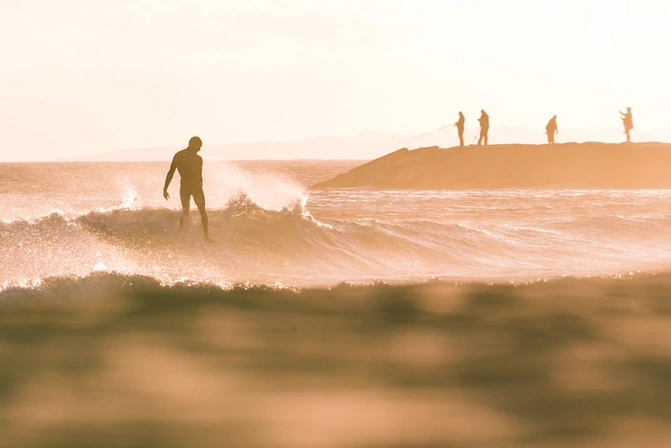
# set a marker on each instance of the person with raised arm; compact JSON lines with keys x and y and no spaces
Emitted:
{"x":628,"y":122}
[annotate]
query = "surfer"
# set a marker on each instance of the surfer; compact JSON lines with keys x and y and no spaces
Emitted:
{"x":460,"y":128}
{"x":190,"y":167}
{"x":484,"y":126}
{"x":551,"y":129}
{"x":628,"y":122}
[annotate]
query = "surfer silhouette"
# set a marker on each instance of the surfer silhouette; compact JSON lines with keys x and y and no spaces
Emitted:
{"x":484,"y":126}
{"x":460,"y":128}
{"x":628,"y":122}
{"x":190,"y":167}
{"x":551,"y":129}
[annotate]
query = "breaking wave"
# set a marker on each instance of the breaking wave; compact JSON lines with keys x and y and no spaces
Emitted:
{"x":289,"y":246}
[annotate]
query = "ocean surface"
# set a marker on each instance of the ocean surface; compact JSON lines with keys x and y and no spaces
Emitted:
{"x":72,"y":219}
{"x":335,"y":318}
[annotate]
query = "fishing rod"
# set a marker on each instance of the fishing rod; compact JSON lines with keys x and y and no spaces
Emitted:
{"x":474,"y":137}
{"x":426,"y":133}
{"x":396,"y":145}
{"x":579,"y":129}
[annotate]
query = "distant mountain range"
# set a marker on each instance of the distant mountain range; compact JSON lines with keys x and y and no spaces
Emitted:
{"x":369,"y":144}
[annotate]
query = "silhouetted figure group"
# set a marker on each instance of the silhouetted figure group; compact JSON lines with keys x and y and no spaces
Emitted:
{"x":484,"y":127}
{"x":190,"y":165}
{"x":551,"y":128}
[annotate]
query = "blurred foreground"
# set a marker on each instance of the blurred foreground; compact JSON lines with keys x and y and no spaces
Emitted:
{"x":118,"y":361}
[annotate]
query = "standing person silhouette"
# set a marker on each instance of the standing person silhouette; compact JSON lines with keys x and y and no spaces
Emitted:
{"x":628,"y":122}
{"x":551,"y":129}
{"x":460,"y":128}
{"x":484,"y":126}
{"x":190,"y":167}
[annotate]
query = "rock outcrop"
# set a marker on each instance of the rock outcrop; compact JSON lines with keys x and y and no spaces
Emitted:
{"x":569,"y":165}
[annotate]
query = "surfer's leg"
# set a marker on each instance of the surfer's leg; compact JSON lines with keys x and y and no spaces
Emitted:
{"x":185,"y":197}
{"x":199,"y":198}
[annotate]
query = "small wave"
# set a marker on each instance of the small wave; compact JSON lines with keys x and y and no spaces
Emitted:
{"x":120,"y":286}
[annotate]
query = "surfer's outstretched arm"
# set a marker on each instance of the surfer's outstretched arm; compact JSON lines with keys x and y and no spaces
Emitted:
{"x":168,"y":178}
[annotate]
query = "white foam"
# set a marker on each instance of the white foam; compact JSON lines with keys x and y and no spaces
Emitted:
{"x":270,"y":191}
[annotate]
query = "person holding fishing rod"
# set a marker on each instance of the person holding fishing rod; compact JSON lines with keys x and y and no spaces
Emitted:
{"x":460,"y":128}
{"x":551,"y":129}
{"x":628,"y":122}
{"x":484,"y":126}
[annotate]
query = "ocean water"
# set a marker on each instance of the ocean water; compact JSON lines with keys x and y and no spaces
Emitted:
{"x":72,"y":219}
{"x":409,"y":318}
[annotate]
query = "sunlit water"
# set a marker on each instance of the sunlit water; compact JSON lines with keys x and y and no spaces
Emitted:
{"x":71,"y":219}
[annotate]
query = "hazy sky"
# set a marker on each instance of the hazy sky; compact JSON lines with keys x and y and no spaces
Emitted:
{"x":87,"y":76}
